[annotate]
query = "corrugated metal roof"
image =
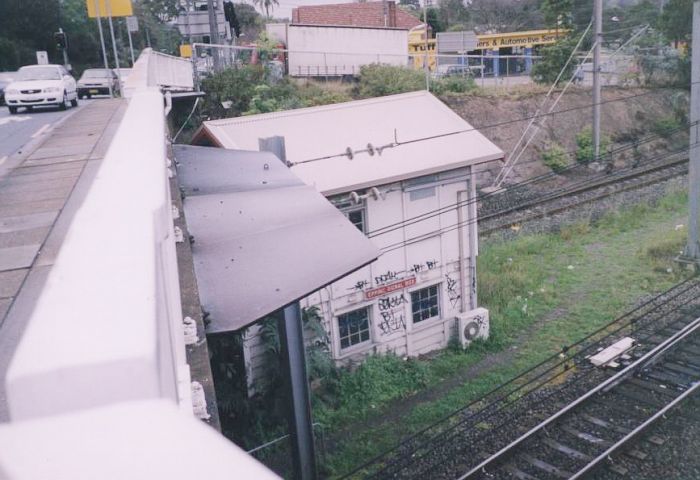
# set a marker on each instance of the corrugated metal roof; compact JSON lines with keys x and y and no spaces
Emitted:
{"x":330,"y":129}
{"x":263,"y":238}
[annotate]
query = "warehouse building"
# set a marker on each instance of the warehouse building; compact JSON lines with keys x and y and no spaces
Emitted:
{"x":403,"y":169}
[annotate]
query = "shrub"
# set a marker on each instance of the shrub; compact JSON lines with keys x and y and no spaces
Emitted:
{"x":555,"y":158}
{"x":585,"y":151}
{"x":235,"y":85}
{"x":553,"y":59}
{"x":666,"y":126}
{"x":378,"y":80}
{"x":453,"y":85}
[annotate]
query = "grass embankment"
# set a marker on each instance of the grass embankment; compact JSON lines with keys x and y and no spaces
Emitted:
{"x":543,"y":292}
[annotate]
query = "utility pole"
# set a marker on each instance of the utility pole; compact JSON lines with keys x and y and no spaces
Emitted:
{"x":213,"y":33}
{"x":114,"y":43}
{"x":598,"y":26}
{"x":102,"y":42}
{"x":425,"y":60}
{"x":692,"y":249}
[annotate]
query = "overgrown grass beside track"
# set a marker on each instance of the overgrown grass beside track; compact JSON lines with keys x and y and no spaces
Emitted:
{"x":543,"y":292}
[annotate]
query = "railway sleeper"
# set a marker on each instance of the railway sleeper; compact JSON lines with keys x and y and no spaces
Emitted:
{"x":517,"y":473}
{"x":545,"y":467}
{"x":604,"y":424}
{"x":639,"y":397}
{"x":661,"y":389}
{"x":678,"y":380}
{"x":566,"y":450}
{"x":587,"y":437}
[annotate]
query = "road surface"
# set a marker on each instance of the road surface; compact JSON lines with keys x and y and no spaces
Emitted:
{"x":17,"y":130}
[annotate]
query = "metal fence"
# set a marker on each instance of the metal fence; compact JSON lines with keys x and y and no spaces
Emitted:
{"x":487,"y":70}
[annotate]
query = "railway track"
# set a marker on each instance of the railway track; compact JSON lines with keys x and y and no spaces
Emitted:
{"x":659,"y":375}
{"x":504,"y":213}
{"x":465,"y":441}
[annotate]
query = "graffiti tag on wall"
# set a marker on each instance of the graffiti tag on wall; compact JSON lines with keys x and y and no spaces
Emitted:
{"x":391,"y":314}
{"x":452,"y":290}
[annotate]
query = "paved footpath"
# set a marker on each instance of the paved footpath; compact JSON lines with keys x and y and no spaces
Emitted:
{"x":39,"y":195}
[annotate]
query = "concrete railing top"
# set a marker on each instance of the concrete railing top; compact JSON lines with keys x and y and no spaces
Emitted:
{"x":156,"y":69}
{"x":103,"y":357}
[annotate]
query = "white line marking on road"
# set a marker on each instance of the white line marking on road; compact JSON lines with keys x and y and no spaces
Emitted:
{"x":2,"y":160}
{"x":5,"y":120}
{"x":41,"y":130}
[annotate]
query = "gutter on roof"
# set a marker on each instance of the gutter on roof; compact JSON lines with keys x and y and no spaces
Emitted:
{"x":346,"y":26}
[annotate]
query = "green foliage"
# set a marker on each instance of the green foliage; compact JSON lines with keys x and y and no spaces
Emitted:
{"x":553,"y":59}
{"x":250,"y":21}
{"x":381,"y":378}
{"x":437,"y":24}
{"x":585,"y":150}
{"x":557,"y":13}
{"x":267,"y":5}
{"x":251,"y":91}
{"x":555,"y":157}
{"x":666,"y":126}
{"x":676,"y":20}
{"x":454,"y":84}
{"x":378,"y":80}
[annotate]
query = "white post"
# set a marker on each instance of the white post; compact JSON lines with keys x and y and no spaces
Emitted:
{"x":114,"y":43}
{"x":102,"y":42}
{"x":131,"y":45}
{"x":692,"y":249}
{"x":598,"y":20}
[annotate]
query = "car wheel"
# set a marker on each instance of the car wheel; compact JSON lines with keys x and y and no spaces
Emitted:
{"x":74,"y":102}
{"x":13,"y":110}
{"x":89,"y":96}
{"x":64,"y":104}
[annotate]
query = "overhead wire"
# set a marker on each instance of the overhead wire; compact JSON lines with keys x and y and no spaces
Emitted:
{"x":413,"y":220}
{"x":447,"y":229}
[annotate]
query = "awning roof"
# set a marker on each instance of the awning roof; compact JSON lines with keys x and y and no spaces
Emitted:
{"x":263,"y":238}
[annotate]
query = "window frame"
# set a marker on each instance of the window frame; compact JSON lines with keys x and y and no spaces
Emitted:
{"x":346,"y":206}
{"x":351,"y":346}
{"x":437,"y":306}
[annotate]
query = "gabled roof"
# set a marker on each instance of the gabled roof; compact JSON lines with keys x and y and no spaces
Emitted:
{"x":365,"y":14}
{"x":327,"y":131}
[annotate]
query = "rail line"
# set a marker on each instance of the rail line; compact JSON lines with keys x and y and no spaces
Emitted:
{"x":462,"y":440}
{"x":583,"y":192}
{"x":587,"y":431}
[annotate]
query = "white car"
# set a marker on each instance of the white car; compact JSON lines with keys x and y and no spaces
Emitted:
{"x":40,"y":85}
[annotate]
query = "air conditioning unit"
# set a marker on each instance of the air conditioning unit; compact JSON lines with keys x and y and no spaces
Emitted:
{"x":472,"y":325}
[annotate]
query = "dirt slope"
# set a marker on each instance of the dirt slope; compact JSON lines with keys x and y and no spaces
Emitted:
{"x":622,"y":121}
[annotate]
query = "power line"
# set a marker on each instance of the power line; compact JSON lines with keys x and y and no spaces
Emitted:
{"x":418,"y":218}
{"x":349,"y":153}
{"x":443,"y":230}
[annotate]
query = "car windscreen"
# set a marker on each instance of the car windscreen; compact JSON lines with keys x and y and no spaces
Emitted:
{"x":38,"y":73}
{"x":97,"y":74}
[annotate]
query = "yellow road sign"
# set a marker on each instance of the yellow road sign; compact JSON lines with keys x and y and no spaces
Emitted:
{"x":115,"y":8}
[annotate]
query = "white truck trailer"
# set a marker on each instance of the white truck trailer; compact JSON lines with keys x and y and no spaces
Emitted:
{"x":338,"y":51}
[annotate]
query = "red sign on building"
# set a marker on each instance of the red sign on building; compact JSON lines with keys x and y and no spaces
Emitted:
{"x":383,"y":290}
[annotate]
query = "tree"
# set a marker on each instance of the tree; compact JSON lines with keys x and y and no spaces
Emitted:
{"x":676,"y":20}
{"x":434,"y":20}
{"x":557,"y":13}
{"x":553,"y":60}
{"x":453,"y":13}
{"x":411,"y":4}
{"x":250,"y":21}
{"x":505,"y":15}
{"x":267,"y":5}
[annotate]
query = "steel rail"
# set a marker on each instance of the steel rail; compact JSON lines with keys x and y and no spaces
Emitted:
{"x":624,"y":321}
{"x":637,"y":431}
{"x":626,"y":372}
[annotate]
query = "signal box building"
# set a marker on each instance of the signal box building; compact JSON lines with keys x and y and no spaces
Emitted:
{"x":403,"y":169}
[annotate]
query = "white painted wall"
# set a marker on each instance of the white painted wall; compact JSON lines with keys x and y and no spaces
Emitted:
{"x":434,"y":260}
{"x":348,"y":48}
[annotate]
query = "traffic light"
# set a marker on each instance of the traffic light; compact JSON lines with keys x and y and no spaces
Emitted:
{"x":61,"y":40}
{"x":231,"y":18}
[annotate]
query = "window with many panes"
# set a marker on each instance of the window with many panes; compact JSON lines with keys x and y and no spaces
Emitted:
{"x":353,"y":327}
{"x":355,"y":212}
{"x":425,"y":304}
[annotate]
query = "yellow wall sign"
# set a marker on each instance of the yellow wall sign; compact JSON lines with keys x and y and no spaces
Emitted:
{"x":519,"y":39}
{"x":115,"y":8}
{"x":186,"y":51}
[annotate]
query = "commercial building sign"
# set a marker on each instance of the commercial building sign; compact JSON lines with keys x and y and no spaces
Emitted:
{"x":519,"y":39}
{"x":392,"y":287}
